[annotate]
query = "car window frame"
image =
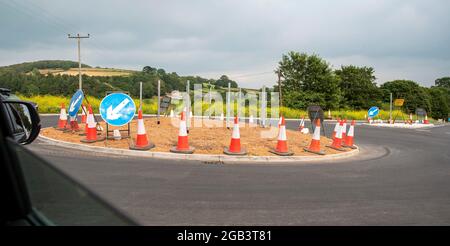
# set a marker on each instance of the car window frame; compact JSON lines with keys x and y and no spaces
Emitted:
{"x":18,"y":206}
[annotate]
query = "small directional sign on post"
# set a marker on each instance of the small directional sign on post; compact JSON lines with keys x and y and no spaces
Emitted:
{"x":117,"y":109}
{"x":75,"y":103}
{"x":373,"y":111}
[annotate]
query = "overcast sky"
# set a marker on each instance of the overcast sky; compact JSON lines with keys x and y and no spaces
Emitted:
{"x":243,"y":39}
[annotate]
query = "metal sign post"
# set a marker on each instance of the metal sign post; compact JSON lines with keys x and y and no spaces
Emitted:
{"x":398,"y":103}
{"x":239,"y":105}
{"x":188,"y":106}
{"x":263,"y":111}
{"x":159,"y":98}
{"x":140,"y":95}
{"x":228,"y":106}
{"x":390,"y":108}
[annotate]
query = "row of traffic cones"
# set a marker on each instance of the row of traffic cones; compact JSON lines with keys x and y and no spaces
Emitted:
{"x":72,"y":124}
{"x":340,"y":139}
{"x":90,"y":130}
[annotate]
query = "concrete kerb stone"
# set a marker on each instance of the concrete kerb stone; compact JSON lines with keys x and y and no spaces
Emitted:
{"x":198,"y":157}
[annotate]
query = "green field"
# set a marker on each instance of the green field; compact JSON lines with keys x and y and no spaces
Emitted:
{"x":51,"y":104}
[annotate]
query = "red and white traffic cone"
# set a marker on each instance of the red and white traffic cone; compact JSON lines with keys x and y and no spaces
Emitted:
{"x":301,"y":125}
{"x":314,"y":147}
{"x":336,"y":128}
{"x":349,"y":139}
{"x":142,"y":142}
{"x":91,"y":132}
{"x":73,"y":125}
{"x":62,"y":121}
{"x":183,"y":143}
{"x":235,"y":144}
{"x":282,"y":148}
{"x":337,"y":141}
{"x":344,"y":130}
{"x":426,"y":121}
{"x":83,"y":114}
{"x":86,"y":124}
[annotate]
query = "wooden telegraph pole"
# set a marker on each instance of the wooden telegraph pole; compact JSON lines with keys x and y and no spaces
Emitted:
{"x":78,"y":37}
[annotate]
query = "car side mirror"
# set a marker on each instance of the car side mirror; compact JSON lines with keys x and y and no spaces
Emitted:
{"x":25,"y":120}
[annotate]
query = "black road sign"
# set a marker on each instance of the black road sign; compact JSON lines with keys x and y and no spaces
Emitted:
{"x":315,"y":112}
{"x":421,"y":112}
{"x":165,"y":104}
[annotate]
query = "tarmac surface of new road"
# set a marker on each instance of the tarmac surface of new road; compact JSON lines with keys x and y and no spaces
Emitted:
{"x":400,"y":177}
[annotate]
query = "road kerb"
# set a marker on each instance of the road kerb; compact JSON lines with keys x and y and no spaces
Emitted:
{"x":199,"y":157}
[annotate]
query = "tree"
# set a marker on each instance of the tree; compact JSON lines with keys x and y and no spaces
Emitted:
{"x":415,"y":96}
{"x":309,"y":74}
{"x":439,"y":102}
{"x":148,"y":69}
{"x":358,"y":86}
{"x":224,"y":80}
{"x":443,"y":82}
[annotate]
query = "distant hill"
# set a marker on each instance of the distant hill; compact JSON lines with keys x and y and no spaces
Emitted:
{"x":56,"y":77}
{"x":98,"y":72}
{"x":27,"y":67}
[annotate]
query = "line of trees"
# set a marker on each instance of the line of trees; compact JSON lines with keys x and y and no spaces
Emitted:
{"x":309,"y":79}
{"x":25,"y":79}
{"x":306,"y":80}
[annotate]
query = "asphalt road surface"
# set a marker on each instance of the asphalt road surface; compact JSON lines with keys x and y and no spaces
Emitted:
{"x":400,"y":177}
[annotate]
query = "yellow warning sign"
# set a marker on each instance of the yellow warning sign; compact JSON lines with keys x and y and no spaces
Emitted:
{"x":399,"y":102}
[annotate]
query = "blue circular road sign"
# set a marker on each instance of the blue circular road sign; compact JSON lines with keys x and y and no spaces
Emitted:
{"x":373,"y":111}
{"x":117,"y":109}
{"x":75,"y":103}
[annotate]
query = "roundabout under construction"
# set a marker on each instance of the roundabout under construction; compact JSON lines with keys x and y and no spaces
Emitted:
{"x":211,"y":141}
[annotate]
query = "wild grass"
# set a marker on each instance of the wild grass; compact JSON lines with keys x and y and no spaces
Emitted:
{"x":52,"y":104}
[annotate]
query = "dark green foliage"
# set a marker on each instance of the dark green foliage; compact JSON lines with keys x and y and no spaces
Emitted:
{"x":439,"y":98}
{"x":45,"y":64}
{"x":443,"y":82}
{"x":415,"y":96}
{"x":223,"y":82}
{"x":311,"y":76}
{"x":358,"y":87}
{"x":19,"y":80}
{"x":306,"y":80}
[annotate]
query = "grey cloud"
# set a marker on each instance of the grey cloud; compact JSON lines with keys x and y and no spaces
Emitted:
{"x":397,"y":38}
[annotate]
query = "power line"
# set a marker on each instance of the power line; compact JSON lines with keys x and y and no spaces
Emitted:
{"x":251,"y":75}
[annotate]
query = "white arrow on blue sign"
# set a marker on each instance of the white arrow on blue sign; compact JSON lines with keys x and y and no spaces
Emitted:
{"x":373,"y":111}
{"x":75,"y":103}
{"x":117,"y":109}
